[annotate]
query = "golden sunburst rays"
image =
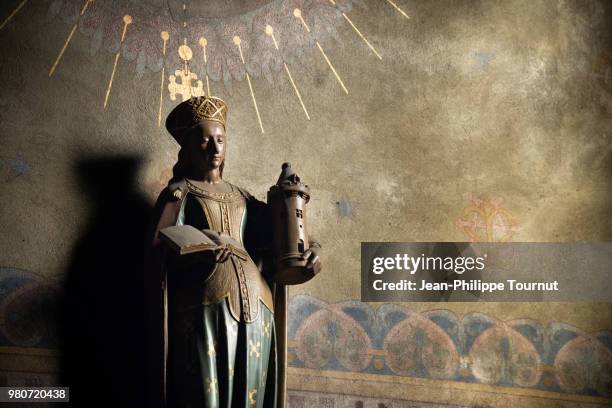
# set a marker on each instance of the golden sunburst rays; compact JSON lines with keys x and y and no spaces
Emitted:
{"x":365,"y":40}
{"x":395,"y":6}
{"x":10,"y":16}
{"x":184,"y":51}
{"x":127,"y":20}
{"x":270,"y":32}
{"x":203,"y":43}
{"x":186,"y":54}
{"x":236,"y":40}
{"x":297,"y":13}
{"x":61,"y":53}
{"x":164,"y":36}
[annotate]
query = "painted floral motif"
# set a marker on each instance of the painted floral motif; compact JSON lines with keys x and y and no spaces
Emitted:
{"x":418,"y":346}
{"x":501,"y":355}
{"x":487,"y":221}
{"x":391,"y":340}
{"x":316,"y":340}
{"x":340,"y":337}
{"x":585,"y":363}
{"x":352,"y":344}
{"x":436,"y":344}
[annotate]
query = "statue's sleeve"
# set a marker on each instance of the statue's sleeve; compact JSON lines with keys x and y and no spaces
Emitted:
{"x":165,"y":214}
{"x":166,"y":210}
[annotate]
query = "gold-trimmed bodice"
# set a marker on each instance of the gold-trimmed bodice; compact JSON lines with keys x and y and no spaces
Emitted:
{"x":238,"y":280}
{"x":224,"y":212}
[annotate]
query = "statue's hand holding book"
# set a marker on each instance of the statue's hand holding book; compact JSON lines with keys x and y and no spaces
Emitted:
{"x":185,"y":239}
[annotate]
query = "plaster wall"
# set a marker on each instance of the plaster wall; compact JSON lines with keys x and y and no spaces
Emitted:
{"x":505,"y":107}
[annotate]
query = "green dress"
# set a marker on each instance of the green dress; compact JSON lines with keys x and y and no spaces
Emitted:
{"x":221,"y":333}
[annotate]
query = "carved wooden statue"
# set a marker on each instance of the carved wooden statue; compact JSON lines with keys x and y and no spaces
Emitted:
{"x":223,"y":270}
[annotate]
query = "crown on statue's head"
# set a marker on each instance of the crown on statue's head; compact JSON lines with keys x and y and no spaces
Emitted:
{"x":208,"y":108}
{"x":194,"y":110}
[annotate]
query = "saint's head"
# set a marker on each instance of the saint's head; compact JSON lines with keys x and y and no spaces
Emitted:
{"x":198,"y":125}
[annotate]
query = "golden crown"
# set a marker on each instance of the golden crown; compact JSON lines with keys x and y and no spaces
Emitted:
{"x":208,"y":108}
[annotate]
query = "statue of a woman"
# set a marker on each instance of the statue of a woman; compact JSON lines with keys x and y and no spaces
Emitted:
{"x":221,"y":339}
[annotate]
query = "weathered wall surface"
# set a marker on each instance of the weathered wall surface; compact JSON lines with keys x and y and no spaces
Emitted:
{"x":482,"y":121}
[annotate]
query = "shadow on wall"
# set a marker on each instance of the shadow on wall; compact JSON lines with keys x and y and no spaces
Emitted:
{"x":103,"y":322}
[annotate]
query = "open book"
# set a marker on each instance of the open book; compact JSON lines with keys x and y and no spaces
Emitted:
{"x":185,"y":239}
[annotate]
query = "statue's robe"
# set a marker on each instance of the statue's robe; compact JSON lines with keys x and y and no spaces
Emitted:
{"x":224,"y":324}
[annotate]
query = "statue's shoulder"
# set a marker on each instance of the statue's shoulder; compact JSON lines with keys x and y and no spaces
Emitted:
{"x":241,"y":190}
{"x":177,"y":189}
{"x":167,"y":206}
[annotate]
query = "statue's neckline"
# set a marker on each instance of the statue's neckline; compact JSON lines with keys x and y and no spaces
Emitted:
{"x":191,"y":184}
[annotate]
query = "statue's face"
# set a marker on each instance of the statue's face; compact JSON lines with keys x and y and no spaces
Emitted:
{"x":210,"y":137}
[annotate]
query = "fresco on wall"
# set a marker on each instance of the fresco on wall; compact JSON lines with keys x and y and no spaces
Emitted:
{"x":27,"y":305}
{"x":197,"y":47}
{"x":510,"y":100}
{"x":323,"y":400}
{"x":437,"y":344}
{"x":351,"y":336}
{"x":487,"y":220}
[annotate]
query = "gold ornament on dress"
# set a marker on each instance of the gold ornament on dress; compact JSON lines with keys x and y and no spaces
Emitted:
{"x":208,"y":108}
{"x":229,"y":196}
